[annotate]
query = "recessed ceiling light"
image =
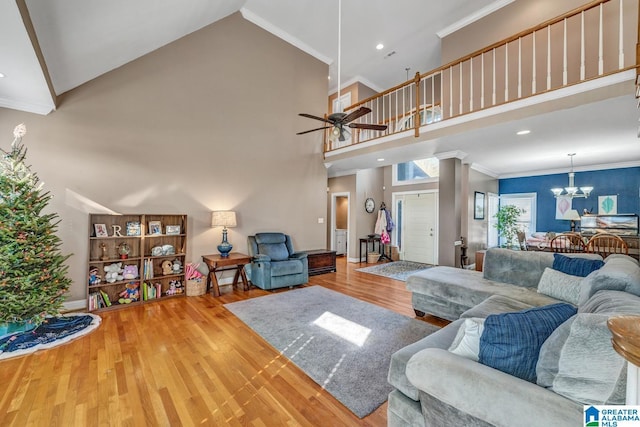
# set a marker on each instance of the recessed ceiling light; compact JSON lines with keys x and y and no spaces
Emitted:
{"x":380,"y":159}
{"x":523,"y":132}
{"x":379,"y":46}
{"x":1,"y":75}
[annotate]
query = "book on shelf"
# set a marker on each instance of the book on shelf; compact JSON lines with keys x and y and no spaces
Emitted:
{"x":105,"y":298}
{"x":147,"y":268}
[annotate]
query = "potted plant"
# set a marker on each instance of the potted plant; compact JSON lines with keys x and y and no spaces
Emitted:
{"x":507,"y":224}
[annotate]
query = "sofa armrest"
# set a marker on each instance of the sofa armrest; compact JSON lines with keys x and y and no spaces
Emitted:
{"x":261,"y":258}
{"x":298,"y":255}
{"x":486,"y":393}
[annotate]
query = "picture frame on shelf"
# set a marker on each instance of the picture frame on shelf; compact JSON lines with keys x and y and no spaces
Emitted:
{"x":155,"y":228}
{"x":478,"y":205}
{"x":172,"y":229}
{"x":101,"y":230}
{"x":133,"y":228}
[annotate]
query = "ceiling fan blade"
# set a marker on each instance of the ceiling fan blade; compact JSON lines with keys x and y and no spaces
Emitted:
{"x":313,"y":130}
{"x":367,"y":126}
{"x":310,"y":116}
{"x":356,"y":114}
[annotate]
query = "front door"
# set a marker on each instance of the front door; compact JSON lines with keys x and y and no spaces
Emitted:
{"x":419,"y":236}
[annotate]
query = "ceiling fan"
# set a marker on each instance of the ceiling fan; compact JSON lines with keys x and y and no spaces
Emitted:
{"x":339,"y":121}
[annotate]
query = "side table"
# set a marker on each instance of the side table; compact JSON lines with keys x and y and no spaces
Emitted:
{"x":366,"y":241}
{"x":235,"y":260}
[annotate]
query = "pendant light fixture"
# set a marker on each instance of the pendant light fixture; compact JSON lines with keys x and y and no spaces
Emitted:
{"x":571,"y":190}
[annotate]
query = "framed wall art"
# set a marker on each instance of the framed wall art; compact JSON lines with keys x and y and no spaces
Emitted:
{"x":478,"y":205}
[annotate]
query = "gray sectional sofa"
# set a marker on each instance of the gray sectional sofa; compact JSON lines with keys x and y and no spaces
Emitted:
{"x":436,"y":387}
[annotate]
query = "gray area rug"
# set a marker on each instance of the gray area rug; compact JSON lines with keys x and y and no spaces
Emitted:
{"x":342,"y":343}
{"x":398,"y":270}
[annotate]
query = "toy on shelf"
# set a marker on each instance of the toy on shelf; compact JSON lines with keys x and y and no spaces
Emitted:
{"x":130,"y":294}
{"x":130,"y":272}
{"x":167,"y":267}
{"x":94,"y":279}
{"x":179,"y":287}
{"x":172,"y":288}
{"x":113,"y":272}
{"x":177,"y":266}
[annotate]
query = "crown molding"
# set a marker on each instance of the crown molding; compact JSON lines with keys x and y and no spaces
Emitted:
{"x":565,"y":170}
{"x":470,"y":19}
{"x":29,"y":107}
{"x":268,"y":26}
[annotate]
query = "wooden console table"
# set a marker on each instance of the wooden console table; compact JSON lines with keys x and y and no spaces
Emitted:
{"x":366,"y":241}
{"x":219,"y":263}
{"x":321,"y":261}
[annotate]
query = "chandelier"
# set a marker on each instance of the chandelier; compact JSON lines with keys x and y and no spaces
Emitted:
{"x":571,"y":190}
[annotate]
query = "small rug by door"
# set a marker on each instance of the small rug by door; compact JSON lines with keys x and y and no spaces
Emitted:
{"x":54,"y":331}
{"x":398,"y":270}
{"x":342,"y":343}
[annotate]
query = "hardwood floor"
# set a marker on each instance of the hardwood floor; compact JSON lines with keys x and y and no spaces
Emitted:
{"x":185,"y":361}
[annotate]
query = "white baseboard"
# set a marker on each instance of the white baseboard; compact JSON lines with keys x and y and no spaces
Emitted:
{"x":76,"y":305}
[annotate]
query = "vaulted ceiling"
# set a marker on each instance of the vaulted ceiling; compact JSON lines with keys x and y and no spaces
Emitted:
{"x":50,"y":47}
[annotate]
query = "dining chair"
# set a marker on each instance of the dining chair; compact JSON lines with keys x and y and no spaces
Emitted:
{"x":569,"y":242}
{"x":606,"y":244}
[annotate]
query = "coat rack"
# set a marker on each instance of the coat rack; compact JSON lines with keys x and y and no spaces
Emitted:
{"x":383,"y":252}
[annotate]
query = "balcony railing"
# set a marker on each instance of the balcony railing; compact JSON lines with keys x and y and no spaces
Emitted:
{"x":593,"y":41}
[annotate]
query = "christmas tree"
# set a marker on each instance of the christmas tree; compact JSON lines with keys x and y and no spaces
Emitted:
{"x":33,"y":274}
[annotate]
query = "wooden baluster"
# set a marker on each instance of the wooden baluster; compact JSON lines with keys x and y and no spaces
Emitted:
{"x":621,"y":40}
{"x":564,"y":53}
{"x":533,"y":61}
{"x":582,"y":47}
{"x":600,"y":45}
{"x":548,"y":57}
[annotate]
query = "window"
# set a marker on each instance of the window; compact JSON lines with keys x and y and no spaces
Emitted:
{"x":526,"y":201}
{"x":416,"y":171}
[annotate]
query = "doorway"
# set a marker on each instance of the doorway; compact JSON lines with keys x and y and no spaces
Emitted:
{"x":340,"y":223}
{"x":417,"y":218}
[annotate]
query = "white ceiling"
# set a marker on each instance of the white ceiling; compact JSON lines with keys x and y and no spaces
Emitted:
{"x":83,"y":39}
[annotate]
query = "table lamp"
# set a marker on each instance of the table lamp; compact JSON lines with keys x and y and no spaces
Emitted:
{"x":224,"y":219}
{"x":574,"y":216}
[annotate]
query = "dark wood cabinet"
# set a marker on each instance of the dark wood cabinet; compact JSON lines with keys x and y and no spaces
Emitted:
{"x":321,"y":261}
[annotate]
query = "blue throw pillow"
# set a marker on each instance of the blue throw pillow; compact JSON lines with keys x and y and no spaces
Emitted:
{"x":576,"y":266}
{"x":511,"y":342}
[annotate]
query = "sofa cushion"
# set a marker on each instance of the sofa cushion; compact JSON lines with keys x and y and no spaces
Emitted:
{"x":511,"y":342}
{"x":520,"y":268}
{"x":499,"y":304}
{"x":575,"y":266}
{"x":577,"y":361}
{"x":611,"y":302}
{"x":605,"y":302}
{"x":463,"y":289}
{"x":619,"y":273}
{"x":286,"y":267}
{"x":274,"y":245}
{"x":559,"y":285}
{"x":467,"y":341}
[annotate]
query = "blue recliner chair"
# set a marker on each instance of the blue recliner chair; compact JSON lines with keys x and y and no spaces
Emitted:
{"x":274,"y":262}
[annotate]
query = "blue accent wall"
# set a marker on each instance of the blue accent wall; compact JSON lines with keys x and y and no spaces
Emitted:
{"x":625,"y":183}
